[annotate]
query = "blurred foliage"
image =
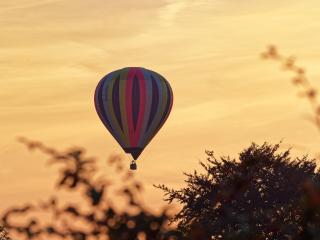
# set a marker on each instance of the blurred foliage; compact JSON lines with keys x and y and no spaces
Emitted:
{"x":299,"y":79}
{"x":262,"y":195}
{"x":4,"y":234}
{"x":95,"y":217}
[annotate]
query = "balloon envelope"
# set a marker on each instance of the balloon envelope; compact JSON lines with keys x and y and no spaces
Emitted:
{"x":133,"y":103}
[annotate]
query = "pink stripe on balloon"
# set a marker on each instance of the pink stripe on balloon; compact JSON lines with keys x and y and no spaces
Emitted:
{"x":129,"y":86}
{"x":142,"y":104}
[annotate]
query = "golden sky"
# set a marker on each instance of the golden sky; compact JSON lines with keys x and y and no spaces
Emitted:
{"x":54,"y":52}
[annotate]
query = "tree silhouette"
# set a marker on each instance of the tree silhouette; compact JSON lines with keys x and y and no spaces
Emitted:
{"x":263,"y":195}
{"x":96,"y":217}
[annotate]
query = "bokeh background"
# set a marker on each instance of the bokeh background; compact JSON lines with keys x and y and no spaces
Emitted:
{"x":54,"y":52}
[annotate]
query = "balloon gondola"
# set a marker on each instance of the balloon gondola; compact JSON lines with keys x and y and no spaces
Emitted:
{"x":133,"y":103}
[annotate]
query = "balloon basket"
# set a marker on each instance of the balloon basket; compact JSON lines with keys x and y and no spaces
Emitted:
{"x":133,"y":165}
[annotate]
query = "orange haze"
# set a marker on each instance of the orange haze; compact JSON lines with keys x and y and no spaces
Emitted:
{"x":53,"y":53}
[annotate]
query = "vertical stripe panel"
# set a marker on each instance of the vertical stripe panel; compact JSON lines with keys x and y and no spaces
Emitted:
{"x":116,"y":103}
{"x":142,"y":86}
{"x":161,"y":107}
{"x":129,"y":86}
{"x":99,"y":102}
{"x":99,"y":108}
{"x":154,"y":101}
{"x":108,"y":107}
{"x":122,"y":100}
{"x":168,"y":107}
{"x":147,"y":112}
{"x":135,"y":100}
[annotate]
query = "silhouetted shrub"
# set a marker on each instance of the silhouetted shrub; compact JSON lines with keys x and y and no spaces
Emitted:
{"x":95,"y":217}
{"x":262,"y":195}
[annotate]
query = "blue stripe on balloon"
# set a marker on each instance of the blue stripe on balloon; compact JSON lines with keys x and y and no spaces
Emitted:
{"x":168,"y":103}
{"x":105,"y":88}
{"x":154,"y":101}
{"x":99,"y":104}
{"x":116,"y":101}
{"x":156,"y":118}
{"x":148,"y":101}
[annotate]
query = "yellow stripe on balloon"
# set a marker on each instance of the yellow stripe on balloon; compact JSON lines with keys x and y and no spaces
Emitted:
{"x":122,"y":102}
{"x":110,"y":109}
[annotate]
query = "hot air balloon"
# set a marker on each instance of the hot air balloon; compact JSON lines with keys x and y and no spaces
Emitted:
{"x":133,"y":103}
